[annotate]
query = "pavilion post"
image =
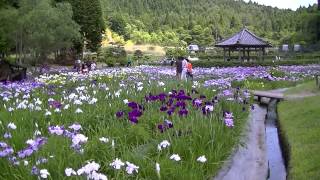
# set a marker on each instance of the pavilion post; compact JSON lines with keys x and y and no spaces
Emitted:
{"x":229,"y":54}
{"x":244,"y":53}
{"x":248,"y":51}
{"x":263,"y":53}
{"x":224,"y":54}
{"x":239,"y":50}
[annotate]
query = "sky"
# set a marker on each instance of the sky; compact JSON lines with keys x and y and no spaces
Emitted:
{"x":285,"y":4}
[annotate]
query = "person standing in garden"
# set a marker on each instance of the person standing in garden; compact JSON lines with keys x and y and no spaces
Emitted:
{"x":184,"y":69}
{"x":179,"y":68}
{"x":129,"y":61}
{"x":189,"y":69}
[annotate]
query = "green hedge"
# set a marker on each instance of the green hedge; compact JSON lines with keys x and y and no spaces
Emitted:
{"x":251,"y":64}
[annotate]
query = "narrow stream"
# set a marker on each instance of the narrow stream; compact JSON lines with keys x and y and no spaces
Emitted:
{"x":277,"y":169}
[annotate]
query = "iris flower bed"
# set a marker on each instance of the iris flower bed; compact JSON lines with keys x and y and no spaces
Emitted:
{"x":132,"y":123}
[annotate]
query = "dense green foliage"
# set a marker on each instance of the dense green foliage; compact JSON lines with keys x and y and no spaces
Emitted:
{"x":88,"y":15}
{"x":37,"y":28}
{"x":174,"y":22}
{"x":258,"y":63}
{"x":299,"y":129}
{"x":113,"y":55}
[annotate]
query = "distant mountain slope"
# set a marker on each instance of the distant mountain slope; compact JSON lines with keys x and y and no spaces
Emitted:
{"x":219,"y":18}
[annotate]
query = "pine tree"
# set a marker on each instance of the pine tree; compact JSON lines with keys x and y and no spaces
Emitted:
{"x":88,"y":14}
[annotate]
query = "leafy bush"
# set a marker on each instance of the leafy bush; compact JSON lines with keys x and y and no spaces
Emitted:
{"x":137,"y":55}
{"x":276,"y":73}
{"x":113,"y":56}
{"x":175,"y":52}
{"x":252,"y":64}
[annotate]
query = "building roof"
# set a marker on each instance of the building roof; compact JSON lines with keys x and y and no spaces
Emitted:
{"x":193,"y":47}
{"x":244,"y":38}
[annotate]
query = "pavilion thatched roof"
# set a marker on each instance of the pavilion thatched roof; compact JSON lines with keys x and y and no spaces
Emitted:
{"x":244,"y":38}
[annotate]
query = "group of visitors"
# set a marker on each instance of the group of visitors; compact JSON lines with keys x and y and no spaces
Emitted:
{"x":184,"y":69}
{"x":85,"y":67}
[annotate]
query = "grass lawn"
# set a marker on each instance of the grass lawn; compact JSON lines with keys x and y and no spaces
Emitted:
{"x":300,"y":125}
{"x":309,"y":88}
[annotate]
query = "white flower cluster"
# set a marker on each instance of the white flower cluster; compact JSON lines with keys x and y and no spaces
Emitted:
{"x":89,"y":170}
{"x":130,"y":168}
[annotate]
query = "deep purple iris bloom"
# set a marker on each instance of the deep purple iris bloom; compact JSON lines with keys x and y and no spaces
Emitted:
{"x":119,"y":114}
{"x":161,"y":128}
{"x":133,"y":119}
{"x":55,"y":104}
{"x":170,"y":102}
{"x":183,"y":112}
{"x":203,"y":97}
{"x":133,"y":105}
{"x":180,"y":104}
{"x":135,"y":113}
{"x":171,"y":111}
{"x":162,"y":96}
{"x":163,"y":108}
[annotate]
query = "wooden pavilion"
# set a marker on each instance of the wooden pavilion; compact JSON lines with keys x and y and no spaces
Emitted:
{"x":244,"y":42}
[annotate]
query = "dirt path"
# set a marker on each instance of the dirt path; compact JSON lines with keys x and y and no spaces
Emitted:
{"x":249,"y":162}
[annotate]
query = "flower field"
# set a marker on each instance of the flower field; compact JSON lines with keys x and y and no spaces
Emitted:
{"x":131,"y":123}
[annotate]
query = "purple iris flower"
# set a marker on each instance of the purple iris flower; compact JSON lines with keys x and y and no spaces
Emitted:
{"x":25,"y":153}
{"x":161,"y":128}
{"x":203,"y":97}
{"x":183,"y":112}
{"x":55,"y":104}
{"x":162,"y":96}
{"x":168,"y":123}
{"x":133,"y":119}
{"x":14,"y":160}
{"x":119,"y":114}
{"x":170,"y":102}
{"x":135,"y":113}
{"x":163,"y":108}
{"x":35,"y":170}
{"x":133,"y":105}
{"x":171,"y":111}
{"x":3,"y":145}
{"x":7,"y":151}
{"x":197,"y":103}
{"x":180,"y":104}
{"x":7,"y":135}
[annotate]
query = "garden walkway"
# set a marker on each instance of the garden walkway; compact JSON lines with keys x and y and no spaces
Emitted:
{"x":249,"y":161}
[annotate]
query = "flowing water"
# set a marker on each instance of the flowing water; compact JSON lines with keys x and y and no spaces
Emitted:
{"x":277,"y":170}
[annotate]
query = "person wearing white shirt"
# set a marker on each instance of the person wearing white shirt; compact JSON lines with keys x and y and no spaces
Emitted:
{"x":184,"y":70}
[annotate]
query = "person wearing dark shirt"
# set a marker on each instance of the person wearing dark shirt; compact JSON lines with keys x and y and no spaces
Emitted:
{"x":179,"y":68}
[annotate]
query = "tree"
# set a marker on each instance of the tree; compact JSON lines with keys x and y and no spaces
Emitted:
{"x":39,"y":28}
{"x":88,"y":14}
{"x":118,"y":25}
{"x":7,"y":29}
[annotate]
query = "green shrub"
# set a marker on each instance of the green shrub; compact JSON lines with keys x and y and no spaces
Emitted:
{"x":113,"y":56}
{"x":175,"y":52}
{"x":252,"y":64}
{"x":276,"y":73}
{"x":137,"y":55}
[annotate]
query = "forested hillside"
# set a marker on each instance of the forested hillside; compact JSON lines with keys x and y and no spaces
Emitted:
{"x":206,"y":21}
